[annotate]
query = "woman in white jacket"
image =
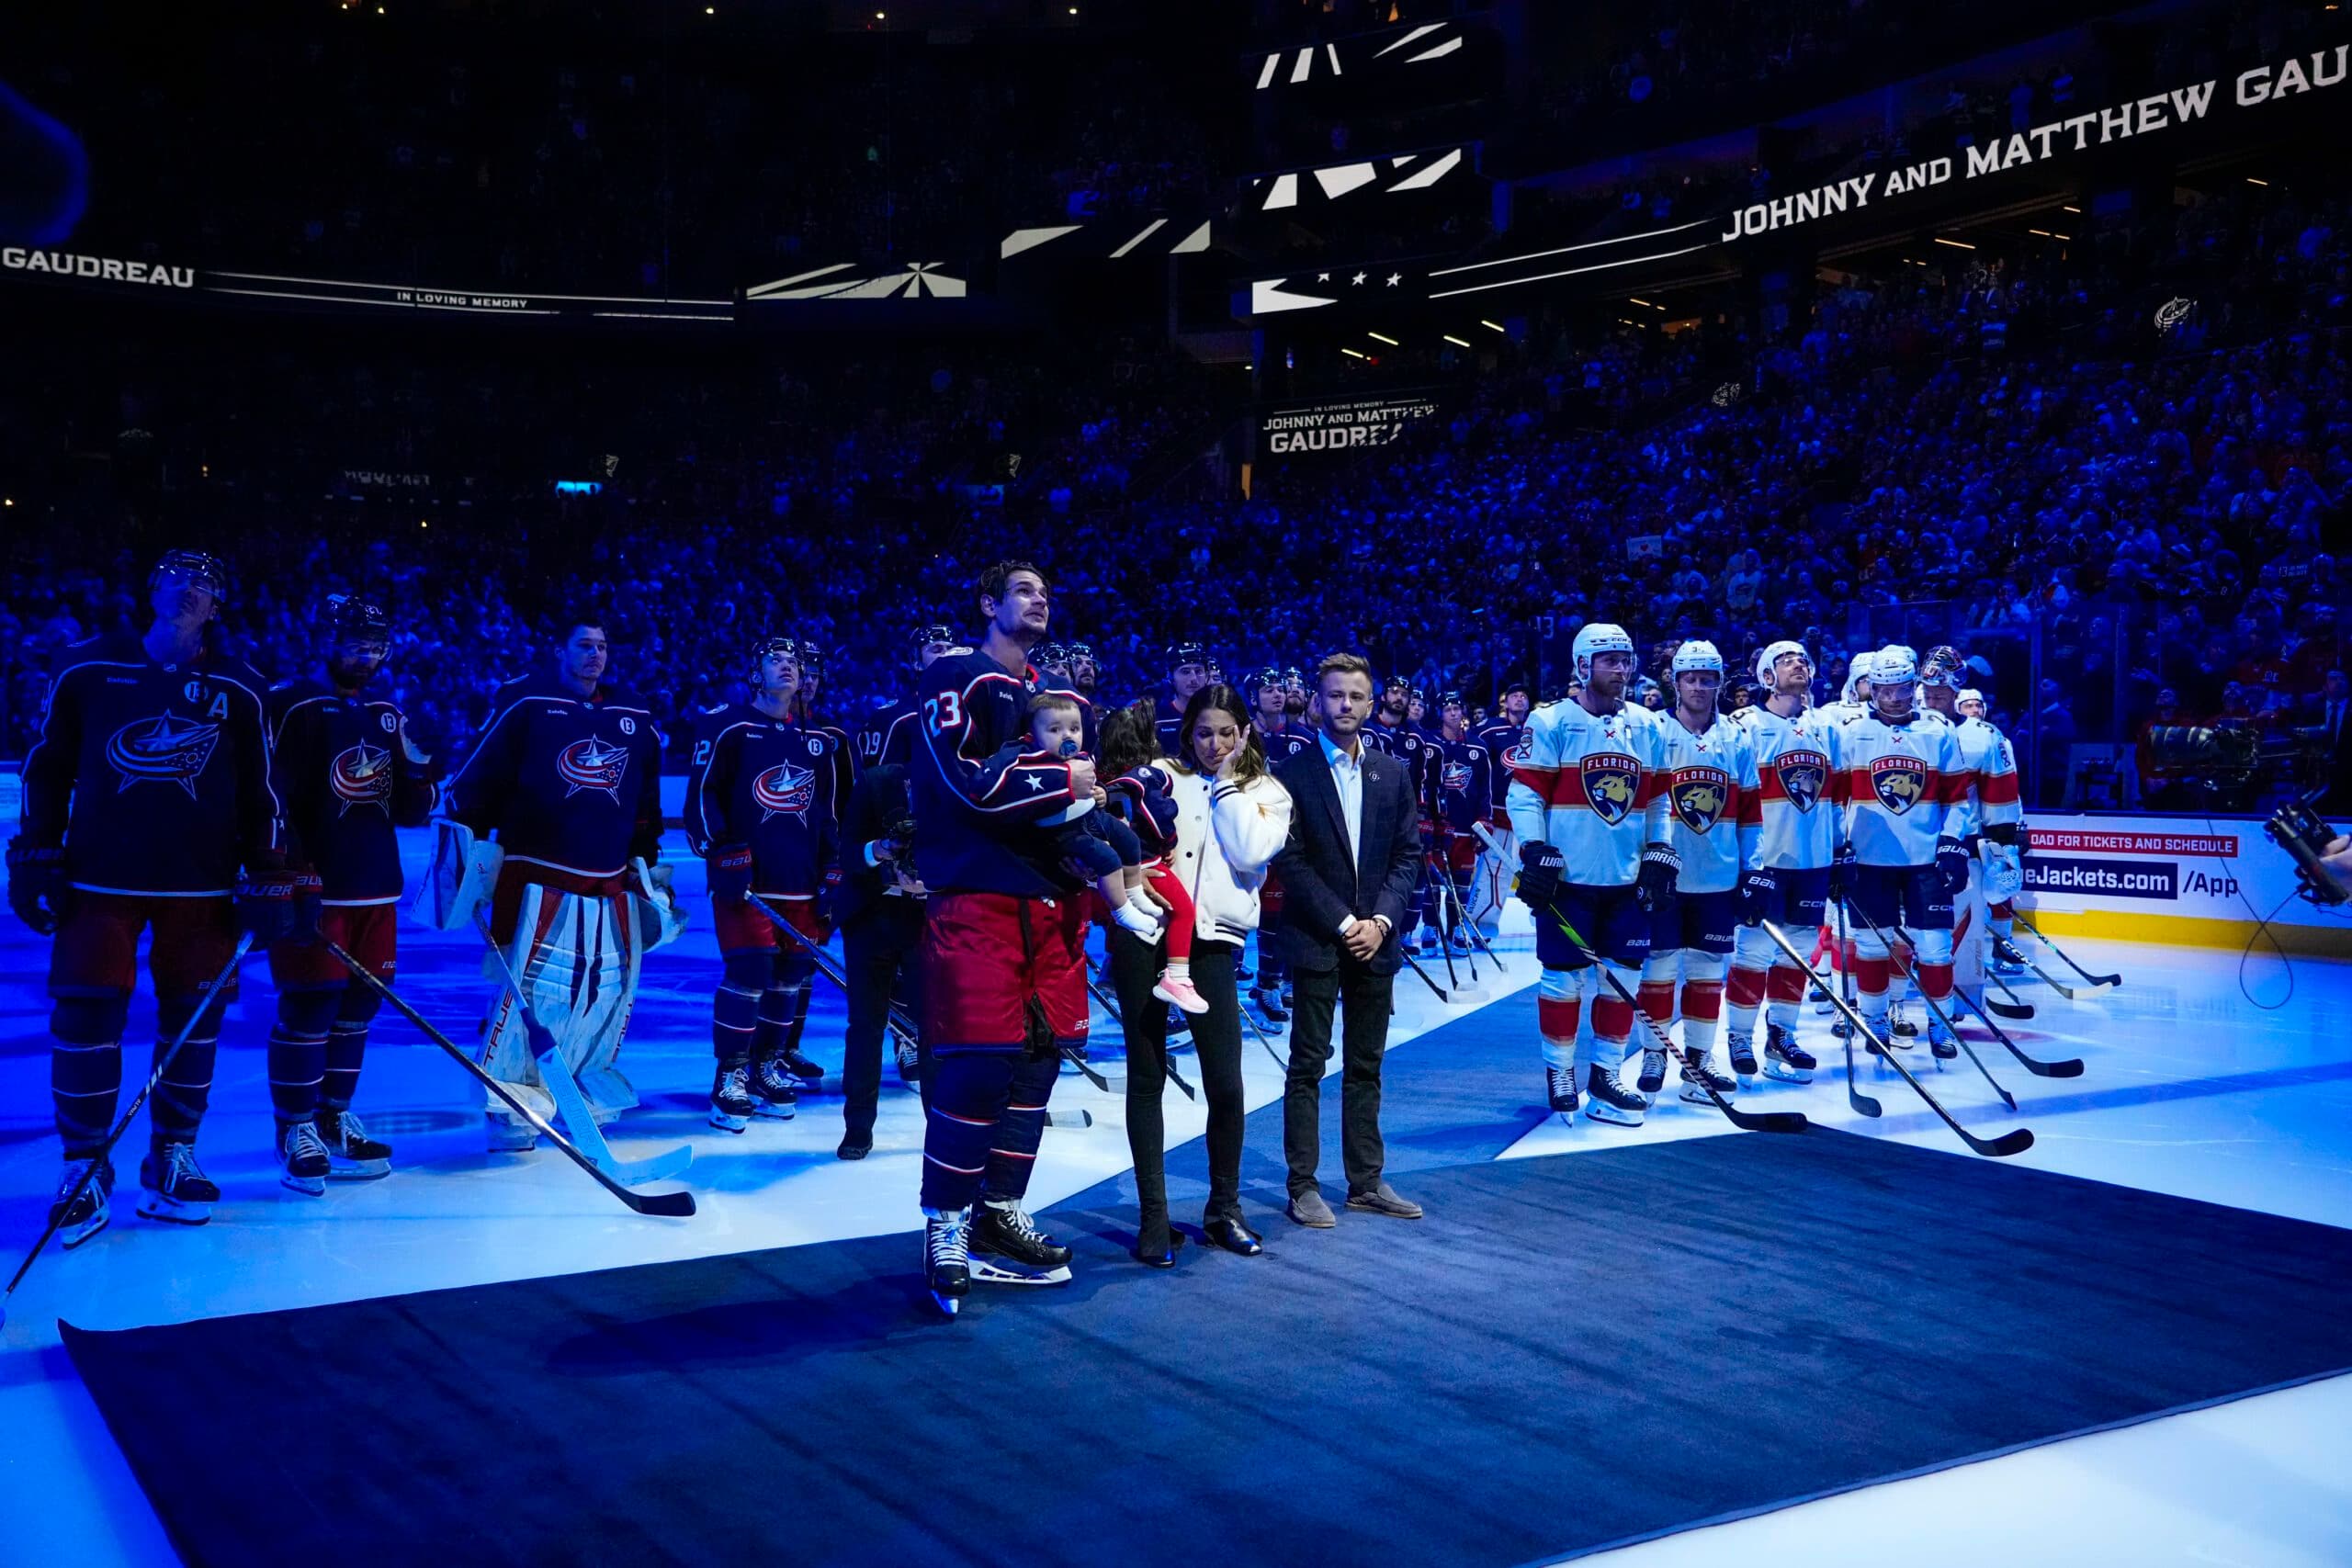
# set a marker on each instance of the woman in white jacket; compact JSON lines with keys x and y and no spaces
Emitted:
{"x":1232,"y":818}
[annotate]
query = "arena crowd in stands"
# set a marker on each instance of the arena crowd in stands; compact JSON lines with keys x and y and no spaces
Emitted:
{"x":2016,"y":441}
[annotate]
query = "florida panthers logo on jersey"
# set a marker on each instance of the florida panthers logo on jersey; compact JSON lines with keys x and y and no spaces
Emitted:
{"x":1611,"y":782}
{"x":592,"y":762}
{"x":1802,"y":776}
{"x":1900,"y":782}
{"x":361,"y":776}
{"x":163,"y":750}
{"x":784,"y":788}
{"x":1699,"y":796}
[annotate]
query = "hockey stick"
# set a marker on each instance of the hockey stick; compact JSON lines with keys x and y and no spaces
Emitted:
{"x":2038,"y":973}
{"x":1851,"y":1022}
{"x":1281,"y":1061}
{"x":1445,"y":935}
{"x":2015,"y":1141}
{"x":2016,"y":1006}
{"x":556,"y":1077}
{"x":1944,"y":1018}
{"x":668,"y":1204}
{"x":57,"y":1216}
{"x":1095,"y":989}
{"x":1406,"y":955}
{"x":1444,"y":947}
{"x":1745,"y":1120}
{"x":2095,"y":980}
{"x":1843,"y":959}
{"x":2071,"y":1068}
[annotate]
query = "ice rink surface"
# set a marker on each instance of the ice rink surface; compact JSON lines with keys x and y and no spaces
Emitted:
{"x":2193,"y":1086}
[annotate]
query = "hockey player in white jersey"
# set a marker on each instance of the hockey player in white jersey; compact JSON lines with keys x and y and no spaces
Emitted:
{"x":1988,"y":822}
{"x":1854,"y":701}
{"x":1905,"y":776}
{"x":1587,"y":805}
{"x":1708,"y":778}
{"x":1799,"y":830}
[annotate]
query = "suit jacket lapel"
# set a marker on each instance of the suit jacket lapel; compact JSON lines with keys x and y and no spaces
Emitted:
{"x":1375,"y":830}
{"x":1331,"y":788}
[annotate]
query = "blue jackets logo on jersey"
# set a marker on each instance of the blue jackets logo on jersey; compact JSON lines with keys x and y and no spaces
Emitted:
{"x":1611,"y":783}
{"x":784,"y":789}
{"x":1900,"y":782}
{"x":1699,"y":796}
{"x":361,"y":776}
{"x":1454,"y":778}
{"x":164,"y":749}
{"x":1802,"y":775}
{"x":592,"y":762}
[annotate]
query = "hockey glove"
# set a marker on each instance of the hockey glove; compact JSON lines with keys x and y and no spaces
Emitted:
{"x":729,"y":874}
{"x":1654,"y":889}
{"x":1756,"y":890}
{"x":1952,"y":864}
{"x":828,"y":899}
{"x":1842,"y":867}
{"x":270,"y":902}
{"x":37,"y":886}
{"x":1540,"y":866}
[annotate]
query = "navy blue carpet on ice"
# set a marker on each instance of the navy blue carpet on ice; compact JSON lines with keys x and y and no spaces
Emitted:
{"x":1569,"y":1353}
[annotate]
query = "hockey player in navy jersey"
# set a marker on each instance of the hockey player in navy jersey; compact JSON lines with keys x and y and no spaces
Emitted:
{"x":351,"y":775}
{"x":1589,"y":810}
{"x":1004,"y":957}
{"x":1188,"y":672}
{"x":1460,"y":799}
{"x":759,"y":809}
{"x":887,"y":734}
{"x":566,"y":779}
{"x":1280,"y":736}
{"x":149,"y":806}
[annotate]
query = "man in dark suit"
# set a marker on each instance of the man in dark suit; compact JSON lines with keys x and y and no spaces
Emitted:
{"x":1347,"y":875}
{"x":2330,"y":719}
{"x":881,"y":921}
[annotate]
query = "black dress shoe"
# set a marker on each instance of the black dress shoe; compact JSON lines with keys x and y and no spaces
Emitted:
{"x":854,"y":1146}
{"x":1164,"y":1258}
{"x":1230,"y":1233}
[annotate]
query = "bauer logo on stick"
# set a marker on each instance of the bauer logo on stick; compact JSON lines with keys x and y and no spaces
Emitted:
{"x":1900,"y":782}
{"x":592,"y":762}
{"x":1699,"y":796}
{"x":1611,"y":780}
{"x":1801,"y":775}
{"x":784,"y":788}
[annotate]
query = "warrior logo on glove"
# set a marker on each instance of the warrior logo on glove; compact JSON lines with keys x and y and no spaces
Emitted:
{"x":1611,"y":783}
{"x":784,"y":789}
{"x":1699,"y":795}
{"x":165,"y":749}
{"x":1801,"y":775}
{"x":1900,"y":782}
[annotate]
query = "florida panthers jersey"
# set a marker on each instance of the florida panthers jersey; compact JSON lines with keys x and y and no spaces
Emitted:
{"x":1903,"y":781}
{"x":1461,"y":781}
{"x":1992,"y":799}
{"x":1799,"y":789}
{"x":1592,"y":784}
{"x":156,"y":778}
{"x":568,"y":782}
{"x":1707,"y":780}
{"x":771,"y":784}
{"x":350,"y":775}
{"x":983,"y":802}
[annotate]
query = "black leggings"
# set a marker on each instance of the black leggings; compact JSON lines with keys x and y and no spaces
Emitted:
{"x":1217,"y":1037}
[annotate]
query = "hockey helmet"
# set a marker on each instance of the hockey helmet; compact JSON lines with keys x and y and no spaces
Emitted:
{"x":1858,"y":670}
{"x":936,"y":635}
{"x":1452,"y":699}
{"x":1894,"y":665}
{"x":812,"y":658}
{"x":1051,"y":656}
{"x":1971,"y":694}
{"x":769,"y":648}
{"x":1596,"y":637}
{"x":1698,"y":655}
{"x":1080,"y":652}
{"x":1398,"y":684}
{"x":1768,"y":663}
{"x":1259,"y":680}
{"x":191,"y":568}
{"x":354,"y":620}
{"x":1183,"y":653}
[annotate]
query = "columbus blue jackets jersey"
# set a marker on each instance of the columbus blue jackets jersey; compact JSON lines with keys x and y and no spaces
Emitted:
{"x":1142,"y":801}
{"x":1461,"y":779}
{"x":983,"y":802}
{"x":156,"y":778}
{"x":1288,"y":741}
{"x":566,"y":781}
{"x":769,"y":783}
{"x":1498,"y":738}
{"x":350,"y":775}
{"x":888,"y":735}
